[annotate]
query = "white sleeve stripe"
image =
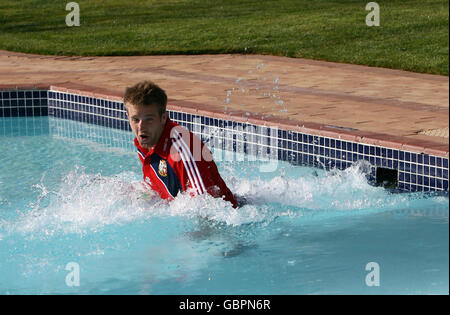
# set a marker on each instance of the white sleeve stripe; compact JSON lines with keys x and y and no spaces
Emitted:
{"x":192,"y":178}
{"x":188,"y":170}
{"x":183,"y":143}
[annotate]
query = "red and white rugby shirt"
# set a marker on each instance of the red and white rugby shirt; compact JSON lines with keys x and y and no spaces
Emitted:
{"x":179,"y":162}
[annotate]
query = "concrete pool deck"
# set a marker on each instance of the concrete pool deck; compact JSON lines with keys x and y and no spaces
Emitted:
{"x":386,"y":107}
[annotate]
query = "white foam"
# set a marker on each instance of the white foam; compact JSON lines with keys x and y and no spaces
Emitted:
{"x":84,"y":201}
{"x":88,"y":202}
{"x":339,"y":190}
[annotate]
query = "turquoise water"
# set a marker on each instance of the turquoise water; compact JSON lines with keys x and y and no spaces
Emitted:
{"x":70,"y":195}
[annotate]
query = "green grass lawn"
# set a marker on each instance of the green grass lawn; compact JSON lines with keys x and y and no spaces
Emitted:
{"x":413,"y":35}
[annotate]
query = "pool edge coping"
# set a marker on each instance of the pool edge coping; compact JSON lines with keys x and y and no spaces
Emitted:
{"x":317,"y":129}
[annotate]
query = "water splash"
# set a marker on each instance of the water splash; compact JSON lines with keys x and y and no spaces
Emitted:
{"x":334,"y":190}
{"x":260,"y":87}
{"x":85,"y":203}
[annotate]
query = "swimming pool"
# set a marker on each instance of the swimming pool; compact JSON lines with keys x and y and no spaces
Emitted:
{"x":74,"y":218}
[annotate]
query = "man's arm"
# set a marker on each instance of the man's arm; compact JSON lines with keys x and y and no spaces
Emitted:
{"x":196,"y":168}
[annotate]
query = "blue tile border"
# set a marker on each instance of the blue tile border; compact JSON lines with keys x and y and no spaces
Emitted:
{"x":416,"y":171}
{"x":88,"y":109}
{"x":19,"y":103}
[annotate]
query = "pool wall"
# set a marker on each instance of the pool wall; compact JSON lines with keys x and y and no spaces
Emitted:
{"x":417,"y":168}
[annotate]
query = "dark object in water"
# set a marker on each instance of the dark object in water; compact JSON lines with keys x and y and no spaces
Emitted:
{"x":386,"y":177}
{"x":241,"y":200}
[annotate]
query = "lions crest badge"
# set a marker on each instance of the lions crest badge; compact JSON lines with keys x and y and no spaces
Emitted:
{"x":162,"y":170}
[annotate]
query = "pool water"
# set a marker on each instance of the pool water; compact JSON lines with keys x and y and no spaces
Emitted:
{"x":75,"y":219}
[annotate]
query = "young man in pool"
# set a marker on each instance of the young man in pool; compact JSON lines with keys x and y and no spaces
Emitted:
{"x":174,"y":159}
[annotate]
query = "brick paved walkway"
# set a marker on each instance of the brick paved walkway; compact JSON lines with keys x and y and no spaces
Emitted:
{"x":392,"y":105}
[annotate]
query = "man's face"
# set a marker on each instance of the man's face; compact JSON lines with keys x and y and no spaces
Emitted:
{"x":146,"y":124}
